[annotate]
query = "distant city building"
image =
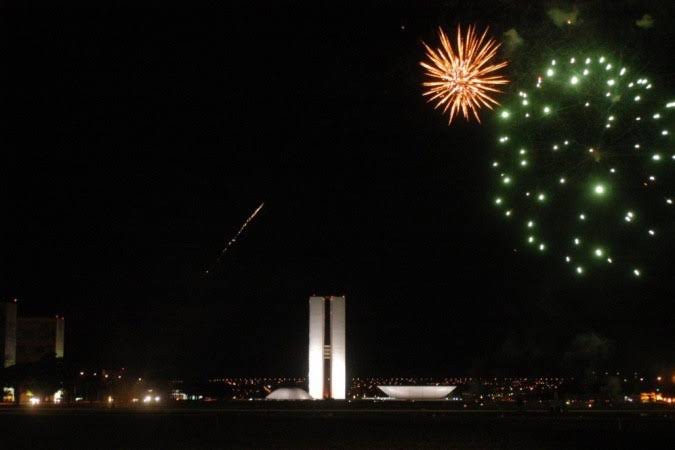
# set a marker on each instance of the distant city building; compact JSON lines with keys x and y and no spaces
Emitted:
{"x":38,"y":338}
{"x":327,"y":350}
{"x":8,"y":333}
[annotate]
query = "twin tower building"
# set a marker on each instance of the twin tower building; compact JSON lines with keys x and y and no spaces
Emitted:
{"x":327,"y":349}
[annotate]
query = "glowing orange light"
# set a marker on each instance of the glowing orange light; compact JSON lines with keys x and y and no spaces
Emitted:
{"x":462,"y":79}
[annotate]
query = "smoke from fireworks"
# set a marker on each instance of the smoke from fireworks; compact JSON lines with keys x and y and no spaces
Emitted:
{"x":232,"y":241}
{"x":463,"y":79}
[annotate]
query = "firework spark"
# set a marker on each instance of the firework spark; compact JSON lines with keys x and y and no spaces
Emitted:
{"x":463,"y":79}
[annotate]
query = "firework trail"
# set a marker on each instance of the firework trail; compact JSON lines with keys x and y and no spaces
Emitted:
{"x":232,"y":241}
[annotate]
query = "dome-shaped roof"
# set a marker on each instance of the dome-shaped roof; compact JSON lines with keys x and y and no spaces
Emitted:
{"x":288,"y":394}
{"x":417,"y":392}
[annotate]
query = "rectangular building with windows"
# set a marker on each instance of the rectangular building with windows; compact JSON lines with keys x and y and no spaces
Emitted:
{"x":39,"y":338}
{"x":8,"y":333}
{"x":327,"y":348}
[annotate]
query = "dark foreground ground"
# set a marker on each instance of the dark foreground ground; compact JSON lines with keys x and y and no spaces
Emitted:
{"x":297,"y":428}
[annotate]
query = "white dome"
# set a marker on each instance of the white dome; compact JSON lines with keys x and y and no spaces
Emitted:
{"x":417,"y":392}
{"x":288,"y":394}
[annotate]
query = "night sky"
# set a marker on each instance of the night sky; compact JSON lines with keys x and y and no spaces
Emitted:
{"x":140,"y":141}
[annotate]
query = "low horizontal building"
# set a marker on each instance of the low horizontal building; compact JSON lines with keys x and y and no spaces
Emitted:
{"x":417,"y":392}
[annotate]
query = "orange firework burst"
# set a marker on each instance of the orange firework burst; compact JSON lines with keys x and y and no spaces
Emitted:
{"x":463,"y":79}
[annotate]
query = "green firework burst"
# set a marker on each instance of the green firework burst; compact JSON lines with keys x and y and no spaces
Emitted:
{"x":584,"y":165}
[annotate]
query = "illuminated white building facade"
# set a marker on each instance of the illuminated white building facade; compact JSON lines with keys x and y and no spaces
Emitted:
{"x":327,"y":348}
